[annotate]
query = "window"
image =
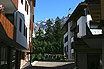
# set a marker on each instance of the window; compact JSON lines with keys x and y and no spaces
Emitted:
{"x":20,"y":26}
{"x":67,"y":48}
{"x":78,"y":29}
{"x":25,"y":5}
{"x":3,"y":56}
{"x":27,"y":9}
{"x":66,"y":39}
{"x":24,"y":30}
{"x":33,"y":18}
{"x":22,"y":2}
{"x":94,"y":27}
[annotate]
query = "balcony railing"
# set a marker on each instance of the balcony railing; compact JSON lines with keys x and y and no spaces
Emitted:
{"x":9,"y":5}
{"x":96,"y":31}
{"x":7,"y":25}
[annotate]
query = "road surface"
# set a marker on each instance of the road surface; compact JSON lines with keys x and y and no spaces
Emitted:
{"x":51,"y":65}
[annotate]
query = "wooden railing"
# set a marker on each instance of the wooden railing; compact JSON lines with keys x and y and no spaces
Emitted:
{"x":7,"y":25}
{"x":15,"y":3}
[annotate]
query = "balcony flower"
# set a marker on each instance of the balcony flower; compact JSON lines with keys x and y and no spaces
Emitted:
{"x":2,"y":9}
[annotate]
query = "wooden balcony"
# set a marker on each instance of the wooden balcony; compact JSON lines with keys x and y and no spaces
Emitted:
{"x":15,"y":3}
{"x":7,"y":26}
{"x":9,"y":5}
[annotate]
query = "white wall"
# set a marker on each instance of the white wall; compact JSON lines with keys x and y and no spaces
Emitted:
{"x":21,"y":8}
{"x":93,"y":31}
{"x":69,"y":42}
{"x":89,"y":18}
{"x":65,"y":43}
{"x":82,"y":26}
{"x":69,"y":53}
{"x":66,"y":34}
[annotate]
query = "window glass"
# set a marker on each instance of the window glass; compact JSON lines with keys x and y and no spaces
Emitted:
{"x":24,"y":30}
{"x":20,"y":26}
{"x":27,"y":9}
{"x":66,"y":39}
{"x":25,"y":5}
{"x":94,"y":26}
{"x":3,"y":56}
{"x":78,"y":29}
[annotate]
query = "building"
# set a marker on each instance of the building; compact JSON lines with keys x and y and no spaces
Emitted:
{"x":67,"y":34}
{"x":87,"y":34}
{"x":16,"y":28}
{"x":102,"y":25}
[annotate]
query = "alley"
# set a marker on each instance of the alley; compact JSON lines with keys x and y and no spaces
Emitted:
{"x":51,"y":65}
{"x":51,"y":34}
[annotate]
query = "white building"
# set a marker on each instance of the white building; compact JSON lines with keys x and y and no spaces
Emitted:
{"x":67,"y":38}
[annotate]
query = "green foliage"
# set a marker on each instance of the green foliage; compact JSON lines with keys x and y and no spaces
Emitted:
{"x":33,"y":55}
{"x":51,"y":42}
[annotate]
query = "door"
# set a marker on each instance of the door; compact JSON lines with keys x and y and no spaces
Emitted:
{"x":93,"y":61}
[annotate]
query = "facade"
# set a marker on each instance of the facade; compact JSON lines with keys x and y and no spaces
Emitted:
{"x":87,"y":34}
{"x":68,"y":51}
{"x":102,"y":23}
{"x":16,"y":27}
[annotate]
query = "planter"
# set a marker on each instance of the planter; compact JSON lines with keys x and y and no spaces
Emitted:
{"x":2,"y":10}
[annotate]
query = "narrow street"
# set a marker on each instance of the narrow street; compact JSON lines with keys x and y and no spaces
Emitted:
{"x":51,"y":34}
{"x":51,"y":65}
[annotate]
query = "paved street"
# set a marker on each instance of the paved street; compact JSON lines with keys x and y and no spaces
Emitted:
{"x":51,"y":65}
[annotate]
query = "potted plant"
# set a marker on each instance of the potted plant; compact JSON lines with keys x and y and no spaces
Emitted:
{"x":2,"y":9}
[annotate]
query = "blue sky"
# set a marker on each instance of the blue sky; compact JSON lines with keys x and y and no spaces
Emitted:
{"x":53,"y":8}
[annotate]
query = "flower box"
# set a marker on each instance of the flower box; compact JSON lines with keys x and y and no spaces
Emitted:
{"x":2,"y":9}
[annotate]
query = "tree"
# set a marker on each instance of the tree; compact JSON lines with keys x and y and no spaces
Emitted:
{"x":39,"y":42}
{"x":52,"y":41}
{"x":58,"y":36}
{"x":39,"y":35}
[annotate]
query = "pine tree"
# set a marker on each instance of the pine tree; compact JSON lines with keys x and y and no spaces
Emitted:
{"x":52,"y":41}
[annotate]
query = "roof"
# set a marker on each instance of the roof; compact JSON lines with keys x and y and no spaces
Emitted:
{"x":95,"y":11}
{"x":93,"y":1}
{"x":93,"y":7}
{"x":78,"y":10}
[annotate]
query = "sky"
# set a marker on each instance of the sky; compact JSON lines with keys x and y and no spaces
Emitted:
{"x":46,"y":9}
